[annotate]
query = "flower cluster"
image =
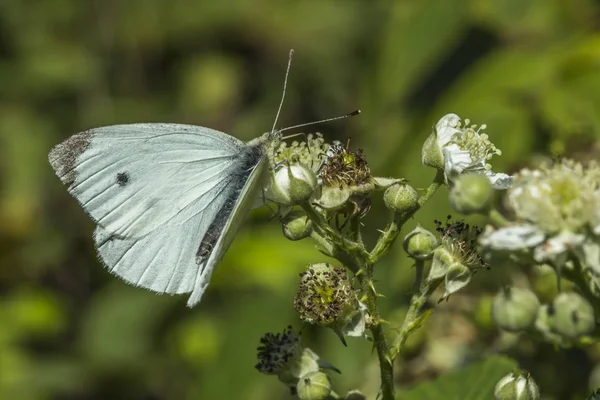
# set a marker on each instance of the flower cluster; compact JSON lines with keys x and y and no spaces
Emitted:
{"x":309,"y":153}
{"x":557,"y":216}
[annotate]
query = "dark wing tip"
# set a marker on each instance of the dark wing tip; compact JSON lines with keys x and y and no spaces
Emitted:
{"x":64,"y":156}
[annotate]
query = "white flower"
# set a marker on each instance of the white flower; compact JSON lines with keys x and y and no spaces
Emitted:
{"x":464,"y":149}
{"x":562,"y":197}
{"x":557,"y":212}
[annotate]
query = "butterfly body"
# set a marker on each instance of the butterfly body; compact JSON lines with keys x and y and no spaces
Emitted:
{"x":167,"y":198}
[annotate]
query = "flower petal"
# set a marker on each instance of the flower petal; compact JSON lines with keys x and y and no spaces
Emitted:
{"x":512,"y":238}
{"x":555,"y":249}
{"x":456,"y":160}
{"x":446,"y":128}
{"x":499,"y":180}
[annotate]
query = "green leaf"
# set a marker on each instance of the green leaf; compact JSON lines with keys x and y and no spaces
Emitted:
{"x":475,"y":382}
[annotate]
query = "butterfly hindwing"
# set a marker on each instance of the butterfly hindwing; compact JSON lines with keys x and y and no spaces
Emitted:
{"x":249,"y":183}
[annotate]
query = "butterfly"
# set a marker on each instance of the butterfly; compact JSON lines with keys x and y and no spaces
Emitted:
{"x":167,"y":199}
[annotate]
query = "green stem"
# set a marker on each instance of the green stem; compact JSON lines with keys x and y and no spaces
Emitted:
{"x":380,"y":342}
{"x":497,"y":219}
{"x":354,"y":256}
{"x":389,"y":235}
{"x":415,"y":315}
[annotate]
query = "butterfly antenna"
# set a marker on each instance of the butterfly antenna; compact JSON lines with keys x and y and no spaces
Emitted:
{"x":352,"y":114}
{"x":287,"y":72}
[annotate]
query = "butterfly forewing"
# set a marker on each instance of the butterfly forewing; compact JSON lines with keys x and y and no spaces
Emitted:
{"x":162,"y":195}
{"x":132,"y":179}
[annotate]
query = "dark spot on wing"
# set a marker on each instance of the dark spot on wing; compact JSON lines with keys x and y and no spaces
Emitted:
{"x":122,"y":178}
{"x":64,"y":157}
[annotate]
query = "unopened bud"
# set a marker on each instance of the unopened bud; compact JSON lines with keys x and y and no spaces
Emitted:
{"x":314,"y":386}
{"x":293,"y":184}
{"x":296,"y":226}
{"x":515,"y":309}
{"x":471,"y":194}
{"x":420,"y":243}
{"x":517,"y":386}
{"x":355,"y":395}
{"x":401,"y":198}
{"x":572,"y":315}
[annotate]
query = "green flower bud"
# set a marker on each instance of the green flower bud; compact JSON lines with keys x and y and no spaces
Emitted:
{"x":401,"y":198}
{"x":544,"y":324}
{"x":420,"y":243}
{"x":515,"y":309}
{"x":296,"y":226}
{"x":471,"y":194}
{"x":293,"y":185}
{"x":314,"y":386}
{"x":431,"y":154}
{"x":517,"y":386}
{"x":355,"y":395}
{"x":572,"y":316}
{"x":457,"y":277}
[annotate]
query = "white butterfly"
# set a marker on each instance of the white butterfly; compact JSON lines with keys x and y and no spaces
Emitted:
{"x":167,"y":198}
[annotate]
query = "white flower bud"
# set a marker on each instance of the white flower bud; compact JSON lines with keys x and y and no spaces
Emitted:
{"x":515,"y":309}
{"x":293,"y":185}
{"x":519,"y":386}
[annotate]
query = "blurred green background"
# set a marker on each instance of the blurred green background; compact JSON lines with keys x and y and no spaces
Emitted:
{"x":529,"y":69}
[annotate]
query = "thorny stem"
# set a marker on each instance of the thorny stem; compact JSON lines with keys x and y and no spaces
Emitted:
{"x":389,"y":235}
{"x":380,"y":342}
{"x":356,"y":262}
{"x":355,"y":257}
